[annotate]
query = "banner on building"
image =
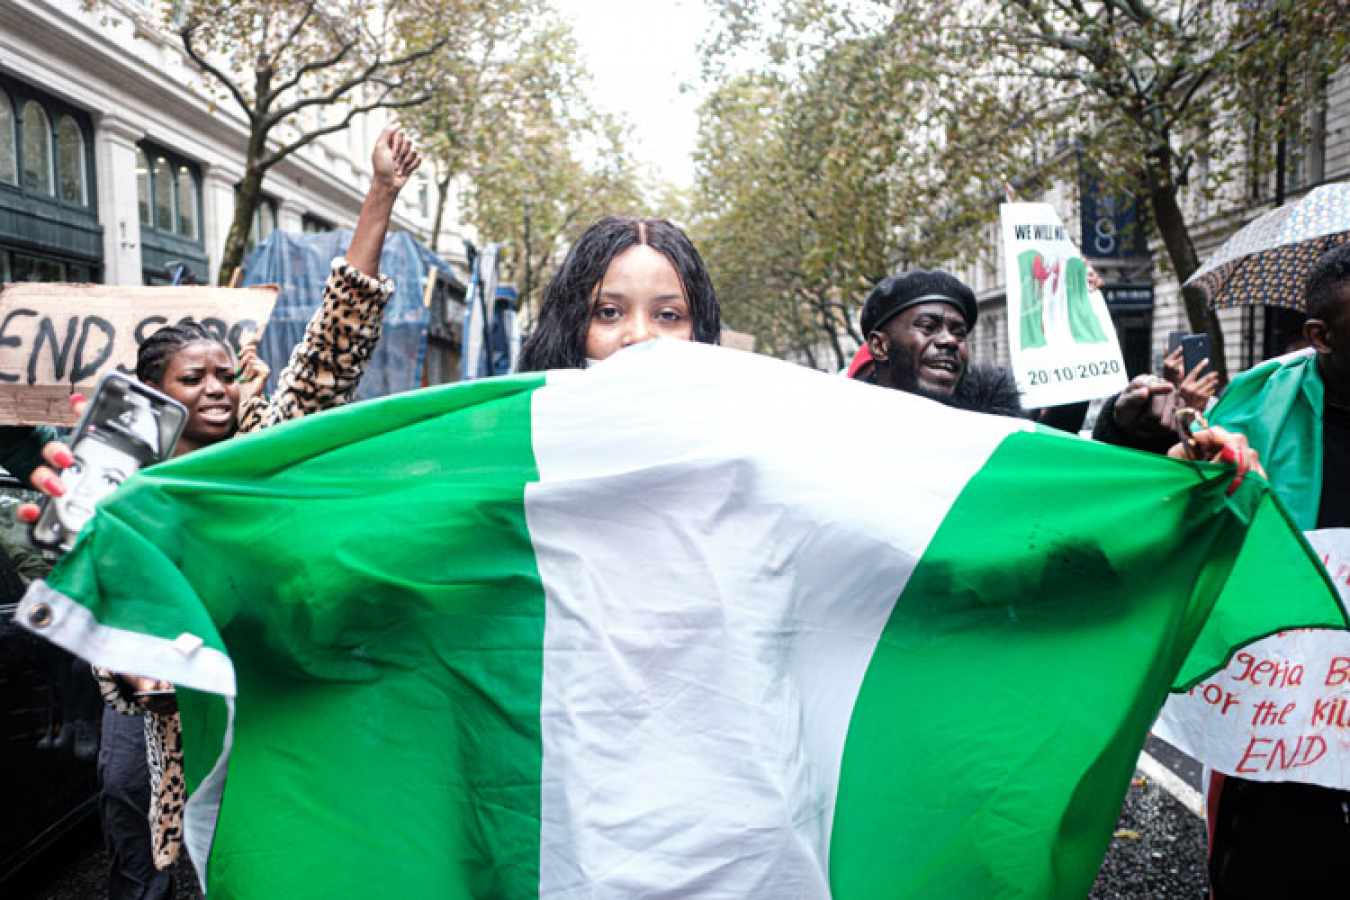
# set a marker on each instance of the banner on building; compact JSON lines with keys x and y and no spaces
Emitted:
{"x":1280,"y":711}
{"x":1060,"y":337}
{"x":1110,"y":220}
{"x":57,"y":338}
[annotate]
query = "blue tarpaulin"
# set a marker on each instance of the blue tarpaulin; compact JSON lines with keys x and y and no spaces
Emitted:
{"x":490,"y":340}
{"x":300,"y":264}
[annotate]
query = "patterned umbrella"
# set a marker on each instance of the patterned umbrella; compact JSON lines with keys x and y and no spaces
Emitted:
{"x":1265,"y":263}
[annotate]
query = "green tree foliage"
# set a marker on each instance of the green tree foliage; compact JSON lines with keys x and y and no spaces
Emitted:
{"x":542,"y":181}
{"x":963,"y":98}
{"x":520,"y":54}
{"x":512,"y":131}
{"x":533,"y":161}
{"x":755,"y":228}
{"x":797,"y":193}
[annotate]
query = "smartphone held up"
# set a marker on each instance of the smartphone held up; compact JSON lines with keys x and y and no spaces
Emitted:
{"x":1194,"y":351}
{"x":126,"y":427}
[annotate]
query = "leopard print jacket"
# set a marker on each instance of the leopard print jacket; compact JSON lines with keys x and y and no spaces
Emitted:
{"x":324,"y":371}
{"x":326,"y":366}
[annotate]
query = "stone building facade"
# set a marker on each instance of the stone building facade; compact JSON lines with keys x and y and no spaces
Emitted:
{"x":114,"y":169}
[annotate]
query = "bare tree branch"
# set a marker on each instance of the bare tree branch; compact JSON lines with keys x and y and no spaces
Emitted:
{"x":186,"y":33}
{"x":309,"y":137}
{"x":318,"y":65}
{"x":369,"y":74}
{"x":300,"y":23}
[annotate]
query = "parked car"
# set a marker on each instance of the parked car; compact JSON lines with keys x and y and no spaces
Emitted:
{"x":49,"y":716}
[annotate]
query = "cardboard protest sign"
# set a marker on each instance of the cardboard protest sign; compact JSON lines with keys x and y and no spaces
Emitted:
{"x":1280,"y":711}
{"x":55,"y":338}
{"x":1060,"y":337}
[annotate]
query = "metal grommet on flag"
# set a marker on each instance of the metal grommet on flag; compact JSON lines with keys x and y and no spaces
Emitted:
{"x":40,"y":615}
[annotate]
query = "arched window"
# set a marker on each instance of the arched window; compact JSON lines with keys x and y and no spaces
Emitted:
{"x":9,"y":164}
{"x":70,"y":161}
{"x":143,"y":187}
{"x":187,"y":203}
{"x":163,"y":178}
{"x":37,"y":149}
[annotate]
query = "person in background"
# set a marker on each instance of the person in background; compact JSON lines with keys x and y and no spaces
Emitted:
{"x":1142,"y":415}
{"x":917,"y":327}
{"x":1288,"y":839}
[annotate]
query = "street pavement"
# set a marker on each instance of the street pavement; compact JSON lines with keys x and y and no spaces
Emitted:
{"x":1159,"y":846}
{"x":76,"y":869}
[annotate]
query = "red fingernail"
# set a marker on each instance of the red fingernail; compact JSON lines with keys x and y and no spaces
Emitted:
{"x":54,"y":486}
{"x":27,"y":513}
{"x":63,"y":459}
{"x":76,"y":398}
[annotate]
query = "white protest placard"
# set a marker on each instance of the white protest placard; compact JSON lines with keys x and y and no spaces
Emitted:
{"x":1280,"y":711}
{"x":57,"y":338}
{"x":1060,"y":337}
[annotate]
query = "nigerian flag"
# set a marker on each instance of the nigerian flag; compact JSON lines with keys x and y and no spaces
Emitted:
{"x":690,"y":623}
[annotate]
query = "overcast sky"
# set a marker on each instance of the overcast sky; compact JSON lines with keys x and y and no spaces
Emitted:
{"x":640,"y":52}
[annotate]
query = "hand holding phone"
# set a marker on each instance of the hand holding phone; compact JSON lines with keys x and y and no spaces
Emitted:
{"x":125,"y":427}
{"x":1194,"y":351}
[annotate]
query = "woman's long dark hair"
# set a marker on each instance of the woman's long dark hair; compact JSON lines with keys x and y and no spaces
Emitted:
{"x":559,"y":337}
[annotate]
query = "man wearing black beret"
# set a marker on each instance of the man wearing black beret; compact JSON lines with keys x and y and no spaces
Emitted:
{"x":917,"y":327}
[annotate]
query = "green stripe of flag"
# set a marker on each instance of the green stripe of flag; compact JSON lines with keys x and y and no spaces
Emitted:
{"x":363,"y":755}
{"x":1035,"y":639}
{"x":715,"y":542}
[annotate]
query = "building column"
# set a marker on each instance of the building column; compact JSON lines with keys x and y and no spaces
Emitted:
{"x":217,"y":211}
{"x":290,"y":217}
{"x":118,"y":203}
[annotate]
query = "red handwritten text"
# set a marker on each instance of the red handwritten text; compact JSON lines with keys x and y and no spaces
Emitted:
{"x":1331,"y":712}
{"x":1271,"y":674}
{"x":1278,"y":754}
{"x":1339,"y":670}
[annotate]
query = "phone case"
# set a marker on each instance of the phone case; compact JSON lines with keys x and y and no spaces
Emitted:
{"x":126,"y":427}
{"x":1194,"y":350}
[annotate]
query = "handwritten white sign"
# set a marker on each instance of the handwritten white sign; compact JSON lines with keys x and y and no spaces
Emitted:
{"x":1060,"y":337}
{"x":1280,"y":711}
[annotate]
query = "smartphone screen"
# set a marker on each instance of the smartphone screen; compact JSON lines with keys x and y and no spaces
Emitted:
{"x":126,"y":427}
